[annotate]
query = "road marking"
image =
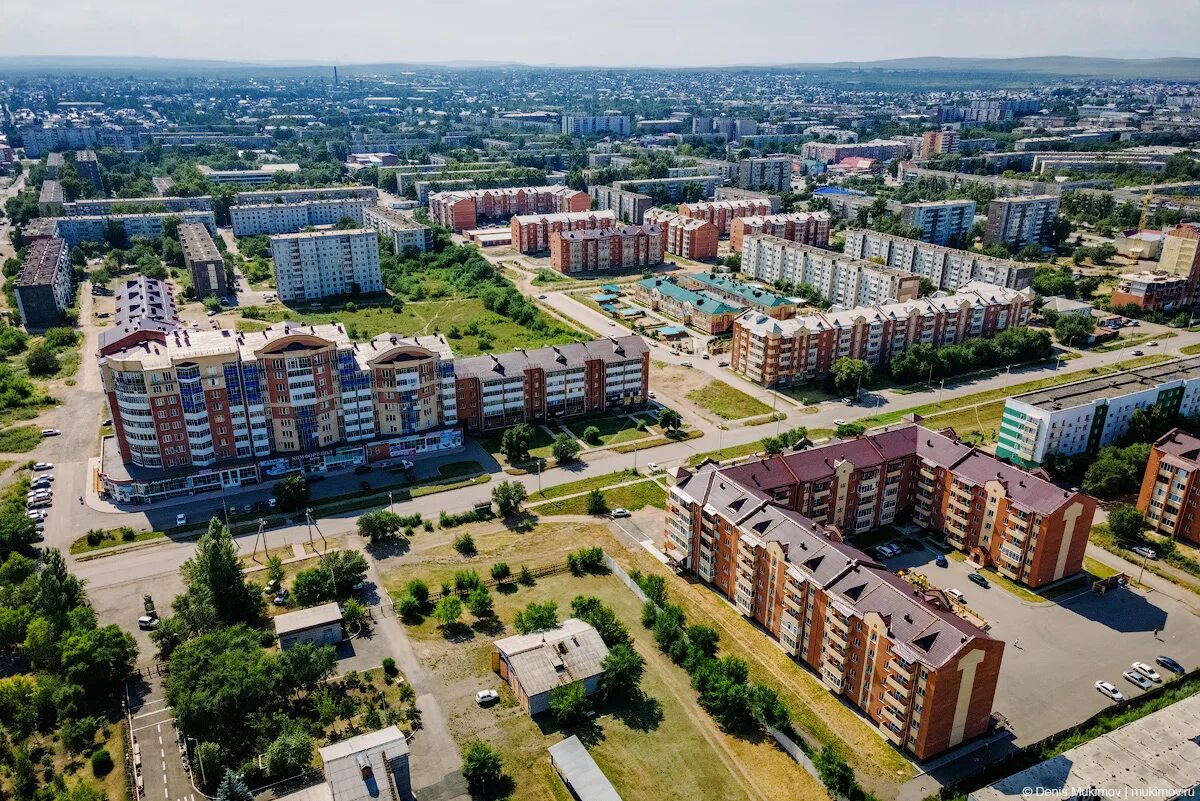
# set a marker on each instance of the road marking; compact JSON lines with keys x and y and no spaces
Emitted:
{"x":153,"y":725}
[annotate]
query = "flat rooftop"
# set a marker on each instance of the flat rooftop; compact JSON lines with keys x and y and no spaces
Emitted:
{"x":41,"y":262}
{"x":1117,"y":385}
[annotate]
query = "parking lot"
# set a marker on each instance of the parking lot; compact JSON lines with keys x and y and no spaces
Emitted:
{"x":1057,"y":650}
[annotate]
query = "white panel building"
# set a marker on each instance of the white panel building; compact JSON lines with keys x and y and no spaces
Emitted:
{"x":318,"y":264}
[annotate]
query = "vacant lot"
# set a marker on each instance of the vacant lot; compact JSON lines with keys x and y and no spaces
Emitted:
{"x":661,"y":747}
{"x":726,"y":402}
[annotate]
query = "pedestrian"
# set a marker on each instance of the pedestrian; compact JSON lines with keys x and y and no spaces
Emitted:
{"x":1016,"y":643}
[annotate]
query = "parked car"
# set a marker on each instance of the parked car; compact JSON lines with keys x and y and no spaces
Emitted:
{"x":652,"y":467}
{"x":541,"y":297}
{"x":35,"y":514}
{"x":406,"y":464}
{"x":704,"y":356}
{"x":1110,"y":690}
{"x":1146,"y":551}
{"x":147,"y":622}
{"x":50,"y":432}
{"x":1147,"y":671}
{"x":1170,"y":664}
{"x":485,"y":697}
{"x":280,"y":597}
{"x":37,"y":503}
{"x":1153,"y":344}
{"x":1133,"y":677}
{"x":272,"y":502}
{"x":685,"y":364}
{"x":956,"y":595}
{"x":723,"y":363}
{"x":1139,"y":353}
{"x":44,"y":478}
{"x":941,"y":560}
{"x":620,"y":512}
{"x":181,"y":519}
{"x":839,"y":422}
{"x":363,"y":468}
{"x":39,"y":466}
{"x":978,"y":578}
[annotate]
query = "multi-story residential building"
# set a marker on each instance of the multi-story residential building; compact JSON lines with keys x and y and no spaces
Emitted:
{"x":1085,"y":416}
{"x":940,"y":220}
{"x":253,"y":177}
{"x":89,"y":169}
{"x":703,"y":310}
{"x":51,"y":199}
{"x":673,"y":189}
{"x":844,"y":281}
{"x":403,"y":230}
{"x":145,"y":312}
{"x":497,"y":390}
{"x":616,"y":248}
{"x":884,"y":150}
{"x":937,"y":143}
{"x":319,"y":264}
{"x":235,"y":408}
{"x":94,"y":227}
{"x":43,"y":287}
{"x":739,"y":293}
{"x":387,"y":142}
{"x":462,"y":210}
{"x":291,"y":218}
{"x":771,"y":351}
{"x":589,"y":125}
{"x":533,"y":232}
{"x":1180,"y":257}
{"x":1152,"y":291}
{"x":687,"y":237}
{"x":722,"y":213}
{"x":946,"y":267}
{"x":1019,"y":221}
{"x":737,"y":193}
{"x":260,"y":196}
{"x":1170,"y":493}
{"x":809,"y":228}
{"x":203,"y":261}
{"x":766,"y":172}
{"x":85,"y":207}
{"x":630,"y":207}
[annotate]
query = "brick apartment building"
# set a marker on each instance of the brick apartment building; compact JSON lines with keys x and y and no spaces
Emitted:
{"x":687,"y":237}
{"x":1152,"y":291}
{"x":616,"y":248}
{"x":806,"y":228}
{"x":722,"y":213}
{"x":1170,"y":494}
{"x":462,"y":210}
{"x":772,"y":351}
{"x":204,"y":262}
{"x":532,"y":232}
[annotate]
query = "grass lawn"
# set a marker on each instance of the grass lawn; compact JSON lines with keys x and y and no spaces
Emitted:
{"x":614,"y":429}
{"x":631,"y":497}
{"x":1190,"y":350}
{"x":1128,"y":342}
{"x":732,"y":452}
{"x":583,"y":485}
{"x":541,"y":447}
{"x":645,"y":444}
{"x":726,"y":402}
{"x":660,"y":747}
{"x":245,"y":326}
{"x":983,"y":421}
{"x":20,"y":439}
{"x":429,"y":317}
{"x":547,"y":277}
{"x":1098,"y":569}
{"x":113,"y":536}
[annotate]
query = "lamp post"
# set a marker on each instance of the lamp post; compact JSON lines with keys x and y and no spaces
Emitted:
{"x":200,"y":759}
{"x":391,"y":504}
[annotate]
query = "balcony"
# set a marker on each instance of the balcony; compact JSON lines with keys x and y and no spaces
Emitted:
{"x":892,"y":715}
{"x":894,"y":683}
{"x":837,"y":637}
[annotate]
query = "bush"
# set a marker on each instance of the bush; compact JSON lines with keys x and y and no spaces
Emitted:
{"x":501,"y":572}
{"x":596,"y":502}
{"x":410,"y":609}
{"x":525,"y":577}
{"x":465,"y":544}
{"x":419,"y":591}
{"x":591,"y":435}
{"x":389,"y":667}
{"x":649,"y":614}
{"x":536,"y":617}
{"x":102,"y":763}
{"x":586,"y":560}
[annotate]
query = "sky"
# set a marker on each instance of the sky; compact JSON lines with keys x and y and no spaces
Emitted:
{"x":589,"y":32}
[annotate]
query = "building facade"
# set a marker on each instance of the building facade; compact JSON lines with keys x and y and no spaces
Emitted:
{"x":809,"y":228}
{"x":1170,"y":492}
{"x":43,"y":287}
{"x":319,"y":264}
{"x":462,"y":210}
{"x":203,"y":261}
{"x":700,"y":309}
{"x":1152,"y":291}
{"x":291,"y":218}
{"x":771,"y":351}
{"x":722,"y":213}
{"x":617,"y":248}
{"x":95,"y":228}
{"x":940,"y":221}
{"x":261,"y":196}
{"x":1019,"y":221}
{"x":404,"y":231}
{"x":847,"y":282}
{"x":766,"y":172}
{"x":686,"y":237}
{"x":673,"y":189}
{"x":883,"y":150}
{"x":630,"y":207}
{"x":109,"y":205}
{"x":938,"y":143}
{"x":1180,"y":257}
{"x":532,"y":232}
{"x":586,"y":125}
{"x":946,"y":267}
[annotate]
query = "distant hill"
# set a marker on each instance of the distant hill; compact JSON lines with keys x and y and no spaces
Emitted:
{"x":1179,"y":69}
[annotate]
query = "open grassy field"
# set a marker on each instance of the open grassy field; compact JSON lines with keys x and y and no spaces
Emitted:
{"x":583,"y":485}
{"x":726,"y":402}
{"x":20,"y":439}
{"x":614,"y":429}
{"x":662,"y":746}
{"x":1122,"y":342}
{"x":540,"y":448}
{"x":631,"y":497}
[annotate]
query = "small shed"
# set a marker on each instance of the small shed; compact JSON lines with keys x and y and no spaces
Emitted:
{"x":534,"y":664}
{"x":317,"y":625}
{"x":580,"y":772}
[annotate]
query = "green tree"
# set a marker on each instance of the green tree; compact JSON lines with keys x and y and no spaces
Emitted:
{"x":508,"y":497}
{"x":98,"y":660}
{"x":670,"y":420}
{"x":312,"y":586}
{"x":233,"y":788}
{"x":293,"y":493}
{"x":565,"y":448}
{"x":849,"y":375}
{"x":835,"y":773}
{"x":536,"y":617}
{"x":215,"y":573}
{"x":623,"y":668}
{"x":515,"y":442}
{"x":379,"y":526}
{"x":289,"y":754}
{"x":591,"y":435}
{"x":41,"y":361}
{"x":354,"y":613}
{"x":569,"y":703}
{"x":479,"y":603}
{"x":448,"y":610}
{"x":501,"y":572}
{"x":925,"y":288}
{"x":483,"y":769}
{"x":275,"y":570}
{"x":596,"y":502}
{"x":1075,"y":329}
{"x":1126,"y":524}
{"x":849,"y":430}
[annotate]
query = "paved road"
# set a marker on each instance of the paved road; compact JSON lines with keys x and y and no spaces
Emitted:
{"x":159,"y":756}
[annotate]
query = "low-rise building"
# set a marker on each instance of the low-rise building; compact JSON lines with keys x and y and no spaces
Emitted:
{"x":579,"y":772}
{"x":844,"y":281}
{"x":947,"y":268}
{"x":145,"y":312}
{"x":462,"y":210}
{"x":291,"y":218}
{"x":809,"y":228}
{"x":616,"y":248}
{"x":356,"y":769}
{"x":1084,"y":416}
{"x":1019,"y":221}
{"x":722,"y":213}
{"x":940,"y":221}
{"x":204,"y":262}
{"x":1151,"y":291}
{"x":320,"y":264}
{"x":1170,"y":492}
{"x":1136,"y":244}
{"x":43,"y":287}
{"x":536,"y":664}
{"x":740,"y":293}
{"x":316,"y":625}
{"x":403,"y":230}
{"x":686,"y":237}
{"x":533,"y":232}
{"x":707,"y":312}
{"x":771,"y":351}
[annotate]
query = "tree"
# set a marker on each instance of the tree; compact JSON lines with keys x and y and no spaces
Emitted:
{"x":508,"y":497}
{"x":772,"y":445}
{"x":848,"y":430}
{"x":448,"y":610}
{"x":596,"y":502}
{"x":348,"y":568}
{"x":215,"y":574}
{"x":1075,"y":329}
{"x":312,"y":586}
{"x":483,"y":769}
{"x":465,"y":544}
{"x":670,"y":420}
{"x":233,"y":788}
{"x":849,"y":375}
{"x":925,"y":288}
{"x":41,"y":361}
{"x":379,"y":526}
{"x":623,"y":668}
{"x":479,"y":602}
{"x":501,"y":572}
{"x":515,"y":442}
{"x":591,"y":435}
{"x":536,"y":617}
{"x":289,"y":754}
{"x":353,"y":612}
{"x":275,"y":570}
{"x":565,"y":448}
{"x":835,"y":774}
{"x":292,"y":493}
{"x":600,"y":617}
{"x":1126,"y":524}
{"x":569,"y":703}
{"x":1116,"y":471}
{"x":98,"y":660}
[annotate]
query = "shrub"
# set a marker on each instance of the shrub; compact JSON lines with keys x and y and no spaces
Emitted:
{"x":389,"y":667}
{"x":586,"y":560}
{"x":501,"y":572}
{"x":410,"y":609}
{"x":95,"y":537}
{"x":419,"y":591}
{"x":525,"y":577}
{"x":465,"y":544}
{"x":649,"y":614}
{"x":596,"y":502}
{"x":591,"y":435}
{"x":102,"y":762}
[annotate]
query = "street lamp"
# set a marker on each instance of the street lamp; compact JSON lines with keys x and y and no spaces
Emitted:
{"x":391,"y":504}
{"x":200,"y":759}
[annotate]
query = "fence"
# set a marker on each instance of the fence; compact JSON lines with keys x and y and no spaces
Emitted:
{"x":620,"y":573}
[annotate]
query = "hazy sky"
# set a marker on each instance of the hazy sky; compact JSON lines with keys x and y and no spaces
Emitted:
{"x":615,"y":32}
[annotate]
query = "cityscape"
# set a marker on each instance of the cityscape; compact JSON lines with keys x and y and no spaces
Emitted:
{"x":598,"y":423}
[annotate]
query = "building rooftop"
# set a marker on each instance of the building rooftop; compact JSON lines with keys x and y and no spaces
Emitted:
{"x":453,"y":195}
{"x":323,"y":234}
{"x":551,"y":358}
{"x":564,"y":216}
{"x":1180,"y":448}
{"x":393,"y":217}
{"x":52,"y":192}
{"x":1107,"y":387}
{"x":580,"y":771}
{"x":197,"y":244}
{"x":751,"y":294}
{"x":41,"y":262}
{"x":548,"y":659}
{"x":1066,"y":305}
{"x":357,"y":769}
{"x":700,"y":301}
{"x":609,"y":233}
{"x":304,"y":619}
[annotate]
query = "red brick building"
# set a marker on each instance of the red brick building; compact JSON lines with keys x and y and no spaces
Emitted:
{"x":687,"y":237}
{"x":806,"y":228}
{"x":532,"y":232}
{"x":722,"y":213}
{"x":607,"y":249}
{"x":462,"y":209}
{"x":1170,"y":494}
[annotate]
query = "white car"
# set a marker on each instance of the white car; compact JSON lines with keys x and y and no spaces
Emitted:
{"x":620,"y":512}
{"x":1133,"y":677}
{"x":653,"y":467}
{"x":956,"y":595}
{"x":44,"y":466}
{"x":181,"y":519}
{"x":839,"y":422}
{"x":1110,"y":690}
{"x":50,"y":432}
{"x":36,"y":514}
{"x":484,"y":697}
{"x":1146,"y":551}
{"x":1147,"y":671}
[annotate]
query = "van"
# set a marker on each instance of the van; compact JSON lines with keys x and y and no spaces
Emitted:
{"x":956,"y":596}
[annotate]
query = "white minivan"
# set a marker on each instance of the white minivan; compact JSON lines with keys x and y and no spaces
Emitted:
{"x":956,"y":595}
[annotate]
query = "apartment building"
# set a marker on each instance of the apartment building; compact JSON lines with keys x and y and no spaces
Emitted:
{"x":404,"y":231}
{"x":700,"y":309}
{"x":204,"y":410}
{"x":320,"y":264}
{"x":462,"y":210}
{"x":673,"y":189}
{"x":630,"y":207}
{"x":203,"y":261}
{"x":145,"y":312}
{"x":258,"y":197}
{"x":1152,"y":291}
{"x":809,"y":228}
{"x":253,"y":177}
{"x":940,"y":220}
{"x":1019,"y":221}
{"x":108,"y":205}
{"x":766,"y":172}
{"x":51,"y":199}
{"x":1085,"y":416}
{"x":772,"y":351}
{"x":616,"y":248}
{"x":947,"y":268}
{"x":591,"y":125}
{"x":846,"y":282}
{"x":43,"y":287}
{"x":94,"y":227}
{"x":722,"y":213}
{"x":89,"y":169}
{"x":938,"y":143}
{"x":1180,"y":257}
{"x":883,"y":150}
{"x":291,"y":218}
{"x":686,"y":237}
{"x":532,"y":232}
{"x":736,"y":193}
{"x":498,"y":390}
{"x":1170,"y":492}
